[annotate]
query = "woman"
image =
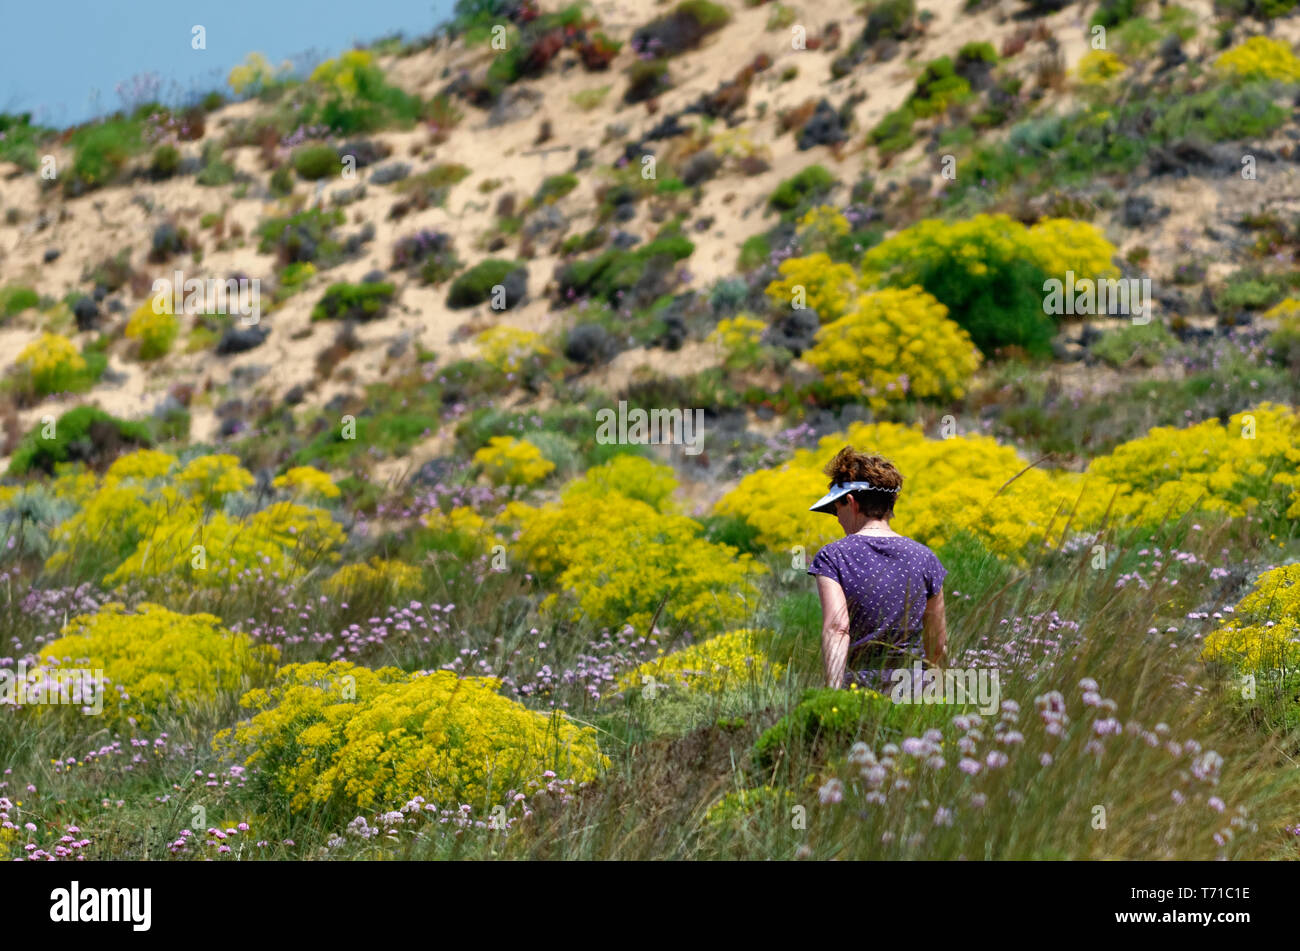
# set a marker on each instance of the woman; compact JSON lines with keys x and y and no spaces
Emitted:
{"x":881,"y":593}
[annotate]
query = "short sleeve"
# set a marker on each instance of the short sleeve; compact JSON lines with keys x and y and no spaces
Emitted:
{"x":824,"y":564}
{"x":934,"y":574}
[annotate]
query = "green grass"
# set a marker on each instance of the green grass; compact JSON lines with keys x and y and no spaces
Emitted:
{"x":14,"y":299}
{"x":101,"y":150}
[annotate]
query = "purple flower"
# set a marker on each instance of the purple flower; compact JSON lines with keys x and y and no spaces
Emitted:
{"x":831,"y":793}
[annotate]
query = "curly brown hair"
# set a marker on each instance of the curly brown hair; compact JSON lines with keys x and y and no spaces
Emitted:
{"x":849,"y":465}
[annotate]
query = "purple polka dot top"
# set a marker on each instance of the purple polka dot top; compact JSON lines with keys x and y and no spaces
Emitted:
{"x":886,"y":580}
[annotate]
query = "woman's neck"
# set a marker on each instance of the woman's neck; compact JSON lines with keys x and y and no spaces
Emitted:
{"x":875,"y":526}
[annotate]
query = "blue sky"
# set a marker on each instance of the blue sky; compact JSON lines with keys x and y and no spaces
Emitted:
{"x":63,"y":62}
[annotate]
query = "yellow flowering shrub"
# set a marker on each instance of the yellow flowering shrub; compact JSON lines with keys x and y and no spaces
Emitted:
{"x":630,"y":475}
{"x":968,"y":243}
{"x":461,"y":521}
{"x":1064,"y":244}
{"x":1264,"y":631}
{"x":617,"y":557}
{"x":814,"y":281}
{"x":509,"y":349}
{"x":53,"y":364}
{"x":729,"y":660}
{"x":211,"y":478}
{"x":307,"y":481}
{"x":255,"y":74}
{"x":73,"y":483}
{"x":11,"y":840}
{"x":1287,"y":310}
{"x":146,"y":521}
{"x":771,"y":501}
{"x":379,"y":578}
{"x":738,"y":144}
{"x":159,"y":661}
{"x":105,"y":528}
{"x":510,"y":461}
{"x":343,"y":73}
{"x":740,"y":338}
{"x":1260,"y":58}
{"x":820,"y":227}
{"x":214,"y":549}
{"x":1054,"y":245}
{"x":1209,"y":466}
{"x":155,"y":331}
{"x":465,"y":534}
{"x":1099,"y":66}
{"x":894,"y":344}
{"x":348,"y":737}
{"x":140,"y":466}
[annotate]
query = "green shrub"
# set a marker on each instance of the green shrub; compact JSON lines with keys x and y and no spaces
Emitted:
{"x":1284,"y":342}
{"x":1111,"y":13}
{"x":475,"y":285}
{"x":781,"y":17}
{"x":304,"y":236}
{"x":682,"y":29}
{"x":360,"y":302}
{"x":357,"y":98}
{"x":588,"y":99}
{"x":977,"y":52}
{"x":754,"y":253}
{"x":710,"y":16}
{"x":216,"y":170}
{"x":447,"y":173}
{"x":555,"y":187}
{"x":20,"y":141}
{"x":938,"y":87}
{"x":618,"y":270}
{"x":824,"y":720}
{"x":282,"y":181}
{"x":646,"y":79}
{"x":100,"y":152}
{"x":314,"y":162}
{"x":560,"y":450}
{"x":81,"y":434}
{"x":586,"y":241}
{"x":166,"y":162}
{"x":430,"y":188}
{"x":1146,"y":343}
{"x":14,"y":299}
{"x":893,"y":133}
{"x":889,"y":19}
{"x":1135,"y":37}
{"x":1221,"y":113}
{"x":805,"y":187}
{"x":1248,"y":290}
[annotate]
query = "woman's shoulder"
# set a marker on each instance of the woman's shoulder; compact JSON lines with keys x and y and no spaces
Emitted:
{"x":919,"y":547}
{"x":905,"y":543}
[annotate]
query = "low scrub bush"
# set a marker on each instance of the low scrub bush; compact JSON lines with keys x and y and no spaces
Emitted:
{"x":359,"y":302}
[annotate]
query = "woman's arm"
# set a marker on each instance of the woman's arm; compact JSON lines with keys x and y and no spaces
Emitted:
{"x":935,"y":621}
{"x":835,"y":630}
